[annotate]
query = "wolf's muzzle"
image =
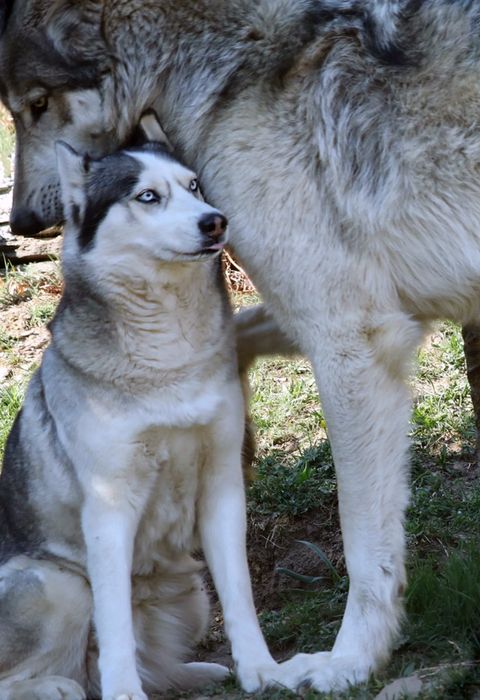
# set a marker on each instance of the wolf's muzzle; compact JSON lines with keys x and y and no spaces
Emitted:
{"x":25,"y":222}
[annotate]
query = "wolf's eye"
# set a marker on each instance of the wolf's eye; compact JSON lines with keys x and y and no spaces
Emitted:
{"x":148,"y":197}
{"x":193,"y":186}
{"x":39,"y":106}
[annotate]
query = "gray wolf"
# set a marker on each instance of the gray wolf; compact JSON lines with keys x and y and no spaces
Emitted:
{"x":342,"y":140}
{"x":126,"y":455}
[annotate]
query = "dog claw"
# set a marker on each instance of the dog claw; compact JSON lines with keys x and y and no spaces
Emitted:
{"x":305,"y":684}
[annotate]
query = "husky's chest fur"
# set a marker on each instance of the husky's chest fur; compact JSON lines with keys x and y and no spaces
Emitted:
{"x":145,"y":417}
{"x":171,"y":465}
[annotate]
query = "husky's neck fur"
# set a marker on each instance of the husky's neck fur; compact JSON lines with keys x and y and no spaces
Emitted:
{"x":167,"y":324}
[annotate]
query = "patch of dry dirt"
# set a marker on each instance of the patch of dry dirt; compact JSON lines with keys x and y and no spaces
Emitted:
{"x":23,"y":334}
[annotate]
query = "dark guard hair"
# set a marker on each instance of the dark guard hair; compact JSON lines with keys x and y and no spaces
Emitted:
{"x":107,"y":181}
{"x":78,"y":67}
{"x":6,"y":7}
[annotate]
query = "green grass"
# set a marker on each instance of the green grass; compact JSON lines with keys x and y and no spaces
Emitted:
{"x":442,"y":414}
{"x":7,"y":141}
{"x":41,"y":314}
{"x":11,"y":398}
{"x":7,"y":341}
{"x":443,"y":603}
{"x":293,"y":486}
{"x":309,"y":620}
{"x":284,"y":405}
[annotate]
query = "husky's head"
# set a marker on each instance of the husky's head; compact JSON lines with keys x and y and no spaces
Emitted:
{"x":135,"y":208}
{"x":52,"y":63}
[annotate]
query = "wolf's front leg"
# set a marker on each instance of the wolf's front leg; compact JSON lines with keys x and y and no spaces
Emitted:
{"x":360,"y":371}
{"x":222,"y":527}
{"x":109,"y":523}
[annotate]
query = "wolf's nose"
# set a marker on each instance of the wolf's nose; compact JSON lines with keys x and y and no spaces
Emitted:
{"x":25,"y":222}
{"x":213,"y":225}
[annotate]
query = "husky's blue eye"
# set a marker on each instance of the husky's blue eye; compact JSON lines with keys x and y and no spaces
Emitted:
{"x":148,"y":197}
{"x":193,"y":186}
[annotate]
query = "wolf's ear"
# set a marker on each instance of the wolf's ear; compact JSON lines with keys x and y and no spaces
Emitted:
{"x":75,"y":29}
{"x":149,"y":129}
{"x":72,"y":169}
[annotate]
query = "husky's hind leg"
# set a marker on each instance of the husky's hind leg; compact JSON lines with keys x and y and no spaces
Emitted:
{"x":45,"y":614}
{"x":170,"y":615}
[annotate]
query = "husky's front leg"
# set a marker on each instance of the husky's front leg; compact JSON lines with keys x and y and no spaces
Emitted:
{"x":222,"y":527}
{"x":109,"y":522}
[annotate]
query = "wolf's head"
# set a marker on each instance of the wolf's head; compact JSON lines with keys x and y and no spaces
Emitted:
{"x":135,"y":209}
{"x":52,"y":62}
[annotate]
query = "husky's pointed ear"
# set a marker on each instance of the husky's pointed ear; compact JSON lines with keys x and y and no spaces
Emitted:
{"x":72,"y":169}
{"x":150,"y":129}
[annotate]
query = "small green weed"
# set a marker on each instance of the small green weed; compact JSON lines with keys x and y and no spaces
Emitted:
{"x":443,"y":603}
{"x":333,"y":573}
{"x":7,"y":141}
{"x":7,"y":341}
{"x":442,"y":413}
{"x":286,"y":485}
{"x":284,"y":405}
{"x":40,"y":314}
{"x":11,"y":399}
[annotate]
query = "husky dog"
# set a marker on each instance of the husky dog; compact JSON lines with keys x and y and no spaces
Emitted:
{"x":342,"y":139}
{"x":128,"y":450}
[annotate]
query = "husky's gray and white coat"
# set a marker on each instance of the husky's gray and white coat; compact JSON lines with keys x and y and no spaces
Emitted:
{"x":342,"y":139}
{"x":127,"y":451}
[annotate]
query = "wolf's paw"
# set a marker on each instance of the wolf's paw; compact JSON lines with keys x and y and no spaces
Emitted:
{"x":48,"y":688}
{"x":323,"y":672}
{"x":253,"y":677}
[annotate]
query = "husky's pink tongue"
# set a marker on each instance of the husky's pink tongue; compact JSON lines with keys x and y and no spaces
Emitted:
{"x":216,"y":246}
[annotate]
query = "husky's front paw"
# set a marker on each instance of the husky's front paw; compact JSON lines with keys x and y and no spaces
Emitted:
{"x":47,"y":688}
{"x":253,"y":678}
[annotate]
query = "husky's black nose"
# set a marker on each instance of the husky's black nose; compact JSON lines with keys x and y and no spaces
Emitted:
{"x":24,"y":222}
{"x":213,"y":225}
